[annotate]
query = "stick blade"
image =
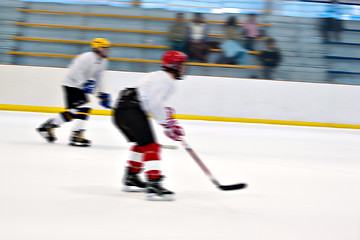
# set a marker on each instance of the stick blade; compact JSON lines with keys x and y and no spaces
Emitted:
{"x":233,"y":187}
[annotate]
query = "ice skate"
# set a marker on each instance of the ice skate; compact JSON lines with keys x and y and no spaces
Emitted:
{"x":46,"y":130}
{"x":77,"y":139}
{"x":155,"y":192}
{"x":132,"y":182}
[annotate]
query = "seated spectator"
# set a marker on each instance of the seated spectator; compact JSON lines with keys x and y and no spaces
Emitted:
{"x":177,"y":33}
{"x":331,"y":25}
{"x":233,"y":52}
{"x":251,"y":31}
{"x":198,"y":48}
{"x":270,"y":58}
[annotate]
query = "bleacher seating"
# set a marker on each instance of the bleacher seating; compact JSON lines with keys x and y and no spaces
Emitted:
{"x":135,"y":48}
{"x":8,"y":15}
{"x":49,"y":34}
{"x":112,"y":44}
{"x":343,"y":57}
{"x":123,"y":16}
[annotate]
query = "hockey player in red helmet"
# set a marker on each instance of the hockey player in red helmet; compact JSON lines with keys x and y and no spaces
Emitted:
{"x":131,"y":118}
{"x":173,"y":62}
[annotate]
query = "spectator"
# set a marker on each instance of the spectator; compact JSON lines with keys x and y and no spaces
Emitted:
{"x":177,"y":33}
{"x":251,"y":31}
{"x":270,"y":58}
{"x":332,"y":23}
{"x":198,"y":48}
{"x":234,"y":53}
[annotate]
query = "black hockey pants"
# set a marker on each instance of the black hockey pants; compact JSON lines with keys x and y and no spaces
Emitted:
{"x":131,"y":120}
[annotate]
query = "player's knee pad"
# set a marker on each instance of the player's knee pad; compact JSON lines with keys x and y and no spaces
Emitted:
{"x":151,"y":152}
{"x":67,"y":116}
{"x":82,"y":113}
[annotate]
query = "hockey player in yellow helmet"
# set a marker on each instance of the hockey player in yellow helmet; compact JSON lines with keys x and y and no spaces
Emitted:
{"x":84,"y":76}
{"x":100,"y":46}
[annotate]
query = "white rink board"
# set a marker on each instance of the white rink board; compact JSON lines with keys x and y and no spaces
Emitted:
{"x":203,"y":96}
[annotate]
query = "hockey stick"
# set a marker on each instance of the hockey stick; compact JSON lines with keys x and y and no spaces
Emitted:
{"x":168,"y":146}
{"x":208,"y":173}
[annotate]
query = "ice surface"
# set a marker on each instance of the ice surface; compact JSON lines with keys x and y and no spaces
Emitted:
{"x":304,"y":184}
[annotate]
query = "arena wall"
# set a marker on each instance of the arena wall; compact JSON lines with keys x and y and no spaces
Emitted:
{"x":26,"y":88}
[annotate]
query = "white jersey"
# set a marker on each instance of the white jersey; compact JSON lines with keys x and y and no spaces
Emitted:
{"x":154,"y":89}
{"x":86,"y":66}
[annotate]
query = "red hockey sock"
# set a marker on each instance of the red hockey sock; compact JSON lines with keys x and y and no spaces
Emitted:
{"x":151,"y":160}
{"x":135,"y":160}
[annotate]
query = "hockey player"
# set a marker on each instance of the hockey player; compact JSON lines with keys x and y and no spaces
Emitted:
{"x":85,"y":74}
{"x":130,"y":116}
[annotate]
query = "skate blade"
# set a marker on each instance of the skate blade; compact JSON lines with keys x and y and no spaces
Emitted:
{"x":155,"y":197}
{"x":132,"y":189}
{"x":79,"y":145}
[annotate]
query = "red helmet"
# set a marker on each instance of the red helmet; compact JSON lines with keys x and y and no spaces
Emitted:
{"x":172,"y":59}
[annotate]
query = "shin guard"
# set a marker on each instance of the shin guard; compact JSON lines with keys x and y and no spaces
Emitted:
{"x":135,"y":159}
{"x":151,"y":159}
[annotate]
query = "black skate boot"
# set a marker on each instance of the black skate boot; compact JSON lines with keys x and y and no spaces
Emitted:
{"x":132,"y":182}
{"x":46,"y":130}
{"x":155,"y":192}
{"x":77,"y":139}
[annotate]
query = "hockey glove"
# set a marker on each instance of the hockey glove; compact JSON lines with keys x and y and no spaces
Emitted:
{"x":105,"y":100}
{"x":171,"y":126}
{"x":89,"y":86}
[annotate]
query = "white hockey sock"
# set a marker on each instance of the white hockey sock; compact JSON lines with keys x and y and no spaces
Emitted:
{"x":79,"y":124}
{"x":58,"y":120}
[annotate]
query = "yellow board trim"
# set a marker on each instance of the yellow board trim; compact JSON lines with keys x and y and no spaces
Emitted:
{"x":26,"y":108}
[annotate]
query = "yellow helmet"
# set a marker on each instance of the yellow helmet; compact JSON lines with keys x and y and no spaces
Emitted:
{"x":100,"y":43}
